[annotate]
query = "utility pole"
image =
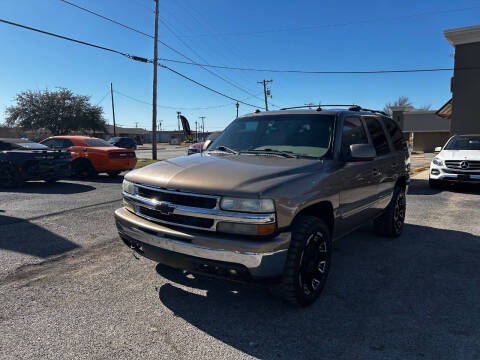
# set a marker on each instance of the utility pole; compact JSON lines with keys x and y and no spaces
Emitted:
{"x":203,"y":126}
{"x":154,"y":102}
{"x":178,"y":119}
{"x":237,"y":105}
{"x":196,"y":131}
{"x":265,"y":91}
{"x":113,"y":111}
{"x":136,"y":124}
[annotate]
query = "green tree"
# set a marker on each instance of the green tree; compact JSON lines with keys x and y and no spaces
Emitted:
{"x":58,"y":111}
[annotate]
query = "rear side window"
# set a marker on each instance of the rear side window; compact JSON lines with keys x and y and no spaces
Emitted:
{"x":54,"y":143}
{"x":67,"y":143}
{"x":378,"y":136}
{"x":353,"y":133}
{"x":97,"y":143}
{"x":395,"y":134}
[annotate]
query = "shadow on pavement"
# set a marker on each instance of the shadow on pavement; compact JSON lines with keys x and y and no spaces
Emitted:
{"x":421,"y":187}
{"x":105,"y":179}
{"x":411,"y":297}
{"x":60,"y":187}
{"x":27,"y":238}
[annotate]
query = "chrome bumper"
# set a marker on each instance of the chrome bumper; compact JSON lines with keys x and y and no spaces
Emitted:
{"x":263,"y":259}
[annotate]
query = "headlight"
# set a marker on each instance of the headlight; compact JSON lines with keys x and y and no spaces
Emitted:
{"x":248,"y":205}
{"x":437,"y":161}
{"x":128,"y":187}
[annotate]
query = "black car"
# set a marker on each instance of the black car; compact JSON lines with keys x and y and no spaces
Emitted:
{"x":123,"y":142}
{"x":22,"y":160}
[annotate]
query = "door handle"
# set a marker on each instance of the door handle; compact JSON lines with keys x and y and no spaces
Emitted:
{"x":394,"y":165}
{"x":376,"y":172}
{"x":84,"y":149}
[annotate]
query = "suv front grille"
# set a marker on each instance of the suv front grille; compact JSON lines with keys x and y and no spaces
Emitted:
{"x":457,"y":164}
{"x":178,"y":199}
{"x":175,"y":219}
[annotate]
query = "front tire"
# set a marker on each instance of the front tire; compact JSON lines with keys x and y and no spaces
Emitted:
{"x":308,"y":262}
{"x":391,"y":222}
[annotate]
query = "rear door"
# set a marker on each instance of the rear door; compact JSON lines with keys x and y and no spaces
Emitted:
{"x":359,"y":186}
{"x":386,"y":164}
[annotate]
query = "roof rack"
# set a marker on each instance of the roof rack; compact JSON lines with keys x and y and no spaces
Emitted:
{"x":319,"y":106}
{"x":351,"y":107}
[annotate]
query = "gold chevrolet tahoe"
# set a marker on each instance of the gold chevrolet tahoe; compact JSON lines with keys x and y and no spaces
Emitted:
{"x":265,"y":200}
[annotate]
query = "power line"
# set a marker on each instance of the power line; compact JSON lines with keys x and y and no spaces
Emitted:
{"x":133,"y":57}
{"x":229,"y":81}
{"x":311,"y":27}
{"x":309,"y":71}
{"x":103,"y":98}
{"x":204,"y":65}
{"x":206,"y":87}
{"x":173,"y":107}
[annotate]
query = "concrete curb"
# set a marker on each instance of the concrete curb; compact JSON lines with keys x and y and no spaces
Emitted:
{"x":418,"y":169}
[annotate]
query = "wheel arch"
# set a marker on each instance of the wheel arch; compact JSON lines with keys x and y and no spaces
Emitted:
{"x":322,"y":210}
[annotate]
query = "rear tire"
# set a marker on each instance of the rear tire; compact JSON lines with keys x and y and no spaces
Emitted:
{"x":82,"y":169}
{"x":391,"y":222}
{"x":10,"y":177}
{"x":308,"y":262}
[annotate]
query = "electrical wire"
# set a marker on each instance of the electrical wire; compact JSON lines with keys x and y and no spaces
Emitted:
{"x":103,"y":98}
{"x":204,"y":65}
{"x":311,"y":71}
{"x":206,"y":87}
{"x":230,"y":82}
{"x":173,"y":107}
{"x":133,"y":57}
{"x":311,"y":27}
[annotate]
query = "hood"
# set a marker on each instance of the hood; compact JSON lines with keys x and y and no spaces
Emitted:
{"x":460,"y":155}
{"x":224,"y":174}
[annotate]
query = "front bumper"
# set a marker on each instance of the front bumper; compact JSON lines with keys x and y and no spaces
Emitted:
{"x":193,"y":250}
{"x":454,"y":175}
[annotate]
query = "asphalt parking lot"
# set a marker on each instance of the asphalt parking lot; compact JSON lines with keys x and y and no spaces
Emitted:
{"x":69,"y":289}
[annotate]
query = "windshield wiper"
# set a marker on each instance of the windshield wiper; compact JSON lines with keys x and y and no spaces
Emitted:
{"x":288,"y":154}
{"x":226,"y":149}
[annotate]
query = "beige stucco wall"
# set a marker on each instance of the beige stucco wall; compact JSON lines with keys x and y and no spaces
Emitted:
{"x":428,"y":141}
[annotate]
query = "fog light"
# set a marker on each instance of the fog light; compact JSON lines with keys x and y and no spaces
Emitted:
{"x":246,"y":229}
{"x":435,"y":172}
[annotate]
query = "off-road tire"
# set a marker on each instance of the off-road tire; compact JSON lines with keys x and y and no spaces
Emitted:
{"x":391,"y":222}
{"x":291,"y":288}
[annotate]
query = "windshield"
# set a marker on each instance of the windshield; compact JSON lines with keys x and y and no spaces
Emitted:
{"x":114,"y":139}
{"x":306,"y":135}
{"x":214,"y":136}
{"x":97,"y":142}
{"x":463,"y":143}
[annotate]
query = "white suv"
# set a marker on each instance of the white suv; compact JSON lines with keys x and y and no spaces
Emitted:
{"x":458,"y":161}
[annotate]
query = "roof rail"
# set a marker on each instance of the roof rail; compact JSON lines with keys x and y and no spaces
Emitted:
{"x":319,"y":106}
{"x":351,"y":107}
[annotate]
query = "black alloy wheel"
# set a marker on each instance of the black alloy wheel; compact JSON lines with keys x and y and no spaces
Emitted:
{"x":313,"y":263}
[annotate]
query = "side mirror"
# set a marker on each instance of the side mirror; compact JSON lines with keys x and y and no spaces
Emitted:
{"x":438,"y":149}
{"x":206,"y":144}
{"x":362,"y":152}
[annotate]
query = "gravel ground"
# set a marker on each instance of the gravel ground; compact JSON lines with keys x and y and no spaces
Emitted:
{"x":70,"y":290}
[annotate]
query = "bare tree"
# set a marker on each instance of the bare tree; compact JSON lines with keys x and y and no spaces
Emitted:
{"x":402,"y":101}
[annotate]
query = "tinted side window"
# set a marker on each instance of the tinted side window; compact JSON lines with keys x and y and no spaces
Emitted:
{"x":4,"y":146}
{"x":53,"y":143}
{"x":352,"y":133}
{"x":378,"y":136}
{"x":67,"y":143}
{"x":395,"y":134}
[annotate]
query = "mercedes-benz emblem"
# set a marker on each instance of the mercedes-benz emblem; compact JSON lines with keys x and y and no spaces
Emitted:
{"x":464,"y":165}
